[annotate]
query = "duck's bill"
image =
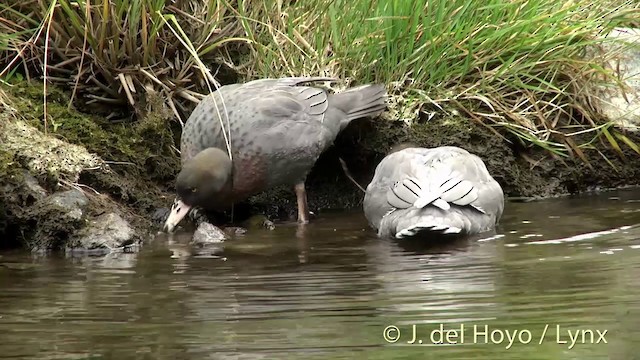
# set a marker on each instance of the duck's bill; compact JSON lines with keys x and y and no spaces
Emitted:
{"x":178,"y":211}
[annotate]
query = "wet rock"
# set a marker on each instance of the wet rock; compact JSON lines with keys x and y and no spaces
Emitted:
{"x":207,"y":233}
{"x":104,"y":234}
{"x":54,"y":218}
{"x":18,"y":191}
{"x":207,"y":240}
{"x":235,"y":230}
{"x":36,"y":191}
{"x":71,"y":204}
{"x":160,"y":216}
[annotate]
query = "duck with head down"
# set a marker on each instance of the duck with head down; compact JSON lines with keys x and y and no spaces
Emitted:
{"x":277,"y":129}
{"x":429,"y":193}
{"x":201,"y":179}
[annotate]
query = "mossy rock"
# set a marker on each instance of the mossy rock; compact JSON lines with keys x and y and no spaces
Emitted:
{"x":143,"y":147}
{"x":140,"y":153}
{"x":137,"y":159}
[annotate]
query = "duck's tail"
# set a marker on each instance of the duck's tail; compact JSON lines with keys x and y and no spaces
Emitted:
{"x":361,"y":101}
{"x":431,"y":223}
{"x":426,"y":229}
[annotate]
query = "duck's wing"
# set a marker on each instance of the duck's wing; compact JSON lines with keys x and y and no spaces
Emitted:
{"x":442,"y":177}
{"x":284,"y":98}
{"x":287,"y":100}
{"x":259,"y":109}
{"x":489,"y":197}
{"x":286,"y":81}
{"x":285,"y":104}
{"x":375,"y":203}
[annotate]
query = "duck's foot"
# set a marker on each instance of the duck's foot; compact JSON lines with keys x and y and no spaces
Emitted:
{"x":303,"y":208}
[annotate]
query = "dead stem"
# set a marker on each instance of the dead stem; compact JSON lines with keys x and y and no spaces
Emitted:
{"x":348,"y":174}
{"x":46,"y":59}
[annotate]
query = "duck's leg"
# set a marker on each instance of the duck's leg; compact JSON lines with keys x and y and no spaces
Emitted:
{"x":301,"y":197}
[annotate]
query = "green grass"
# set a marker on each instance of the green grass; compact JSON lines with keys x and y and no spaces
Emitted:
{"x":518,"y":66}
{"x":112,"y":53}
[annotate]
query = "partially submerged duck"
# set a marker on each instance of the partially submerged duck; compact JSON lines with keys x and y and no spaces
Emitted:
{"x":419,"y":192}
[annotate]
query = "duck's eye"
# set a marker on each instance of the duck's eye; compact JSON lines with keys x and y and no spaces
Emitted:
{"x":194,"y":190}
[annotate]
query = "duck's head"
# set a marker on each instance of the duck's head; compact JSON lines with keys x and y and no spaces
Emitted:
{"x":201,"y":179}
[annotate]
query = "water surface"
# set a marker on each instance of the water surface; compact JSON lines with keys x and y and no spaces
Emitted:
{"x":329,"y":291}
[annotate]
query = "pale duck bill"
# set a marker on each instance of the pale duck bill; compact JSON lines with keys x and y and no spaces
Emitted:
{"x":178,"y":211}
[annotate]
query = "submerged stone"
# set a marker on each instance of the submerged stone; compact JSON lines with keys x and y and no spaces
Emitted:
{"x":235,"y":230}
{"x":259,"y":221}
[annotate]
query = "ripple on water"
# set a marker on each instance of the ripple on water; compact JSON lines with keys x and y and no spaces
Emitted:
{"x":328,"y":291}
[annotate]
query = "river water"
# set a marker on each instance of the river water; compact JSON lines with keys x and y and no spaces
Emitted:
{"x":558,"y":280}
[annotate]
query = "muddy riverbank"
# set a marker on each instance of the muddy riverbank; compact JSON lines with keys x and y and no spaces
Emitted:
{"x":88,"y":175}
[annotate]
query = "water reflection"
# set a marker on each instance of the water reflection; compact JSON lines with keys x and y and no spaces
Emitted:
{"x":329,"y":289}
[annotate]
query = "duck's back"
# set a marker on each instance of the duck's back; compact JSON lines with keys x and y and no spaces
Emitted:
{"x":419,"y":163}
{"x":277,"y":130}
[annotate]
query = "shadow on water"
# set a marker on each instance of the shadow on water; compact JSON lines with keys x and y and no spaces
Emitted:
{"x":446,"y":245}
{"x":330,"y":290}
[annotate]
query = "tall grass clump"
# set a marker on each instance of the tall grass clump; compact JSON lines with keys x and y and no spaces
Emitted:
{"x":114,"y":54}
{"x":518,"y":67}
